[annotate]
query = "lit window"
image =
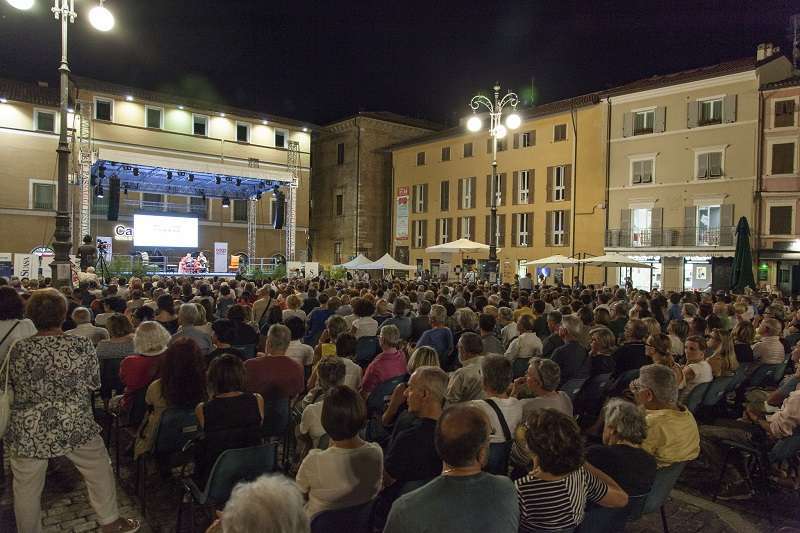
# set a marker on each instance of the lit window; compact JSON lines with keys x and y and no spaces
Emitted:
{"x":524,"y":186}
{"x":711,"y":111}
{"x":643,"y":122}
{"x":559,"y":183}
{"x":558,"y":228}
{"x":200,"y":125}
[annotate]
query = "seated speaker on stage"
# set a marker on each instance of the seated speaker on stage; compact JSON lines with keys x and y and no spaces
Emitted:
{"x":202,"y":263}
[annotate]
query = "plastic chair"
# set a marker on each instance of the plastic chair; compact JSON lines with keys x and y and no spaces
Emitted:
{"x":739,"y":377}
{"x":355,"y":519}
{"x":767,"y":375}
{"x":133,"y":418}
{"x":696,"y":396}
{"x":716,"y":391}
{"x":598,"y":519}
{"x":665,"y":480}
{"x":572,"y":387}
{"x":378,"y":398}
{"x":366,"y":350}
{"x":590,"y":398}
{"x":519,"y":367}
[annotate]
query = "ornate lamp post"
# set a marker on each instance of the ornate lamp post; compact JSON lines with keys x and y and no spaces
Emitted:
{"x":496,"y":131}
{"x":102,"y":20}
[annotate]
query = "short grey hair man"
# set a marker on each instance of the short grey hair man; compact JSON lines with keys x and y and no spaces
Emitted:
{"x":434,"y":380}
{"x":390,"y":336}
{"x":438,"y":314}
{"x":627,"y":420}
{"x":278,"y":338}
{"x":188,"y":315}
{"x":270,"y":503}
{"x":661,"y":381}
{"x":81,"y":315}
{"x":572,"y":326}
{"x":548,"y":371}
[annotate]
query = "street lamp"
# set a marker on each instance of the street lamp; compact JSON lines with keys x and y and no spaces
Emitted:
{"x":103,"y":20}
{"x":496,"y":131}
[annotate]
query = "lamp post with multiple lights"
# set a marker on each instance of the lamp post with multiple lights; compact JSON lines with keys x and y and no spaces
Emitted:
{"x":102,"y":19}
{"x":496,"y":131}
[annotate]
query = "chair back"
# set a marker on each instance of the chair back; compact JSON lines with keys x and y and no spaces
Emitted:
{"x":355,"y":519}
{"x":138,"y":408}
{"x":276,"y":417}
{"x":178,"y":425}
{"x":696,"y":396}
{"x":572,"y":387}
{"x":595,"y":388}
{"x":739,"y":376}
{"x":109,"y":377}
{"x":598,"y":519}
{"x":377,"y":399}
{"x":767,"y":374}
{"x":249,"y":350}
{"x":785,"y":449}
{"x":520,"y":366}
{"x":366,"y":350}
{"x":716,"y":391}
{"x":665,"y":479}
{"x":239,"y":464}
{"x":497,"y":462}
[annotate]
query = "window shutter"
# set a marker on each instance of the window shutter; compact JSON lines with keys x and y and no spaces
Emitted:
{"x":425,"y":198}
{"x":702,"y":166}
{"x":444,"y":195}
{"x":489,"y":145}
{"x":474,"y":190}
{"x":691,"y":114}
{"x":514,"y":218}
{"x":660,"y":120}
{"x":515,"y":187}
{"x":458,"y":232}
{"x":656,"y":225}
{"x":715,"y":164}
{"x":627,"y":124}
{"x":413,"y":233}
{"x":624,"y":227}
{"x":516,"y":141}
{"x":689,"y":223}
{"x":566,"y":227}
{"x":726,"y":230}
{"x":567,"y":182}
{"x":488,"y":190}
{"x":501,"y":226}
{"x":450,"y":230}
{"x":533,"y":137}
{"x":729,"y":108}
{"x":473,"y":230}
{"x":548,"y":230}
{"x":461,"y":193}
{"x":503,"y":188}
{"x":531,"y":182}
{"x":424,"y":233}
{"x":549,"y":184}
{"x":413,"y":198}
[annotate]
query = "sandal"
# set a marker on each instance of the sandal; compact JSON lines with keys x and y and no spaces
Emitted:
{"x":127,"y":525}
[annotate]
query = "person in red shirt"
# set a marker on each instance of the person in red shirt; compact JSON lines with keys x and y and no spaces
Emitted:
{"x":390,"y":363}
{"x":137,"y":371}
{"x":274,"y":374}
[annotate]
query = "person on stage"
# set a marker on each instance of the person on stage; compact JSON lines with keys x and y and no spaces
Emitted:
{"x":202,"y":262}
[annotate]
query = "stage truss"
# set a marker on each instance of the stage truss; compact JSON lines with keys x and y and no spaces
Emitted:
{"x":293,"y":164}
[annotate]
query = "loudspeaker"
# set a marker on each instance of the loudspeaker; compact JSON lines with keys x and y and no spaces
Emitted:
{"x":113,"y":198}
{"x":280,"y":210}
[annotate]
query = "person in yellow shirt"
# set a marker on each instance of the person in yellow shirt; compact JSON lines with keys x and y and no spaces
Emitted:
{"x":523,"y":307}
{"x":672,"y":433}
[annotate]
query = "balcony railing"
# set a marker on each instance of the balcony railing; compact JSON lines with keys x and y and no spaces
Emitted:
{"x":671,"y":237}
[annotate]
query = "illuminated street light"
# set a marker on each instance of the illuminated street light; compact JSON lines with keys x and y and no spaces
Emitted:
{"x":101,"y":18}
{"x":24,"y":5}
{"x":474,"y":123}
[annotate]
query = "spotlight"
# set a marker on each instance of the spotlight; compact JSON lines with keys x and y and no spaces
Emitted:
{"x":238,"y":182}
{"x":226,"y":202}
{"x":222,"y":115}
{"x":3,"y":100}
{"x":98,"y":190}
{"x":217,"y":180}
{"x":126,"y":167}
{"x":191,"y":177}
{"x":101,"y":171}
{"x":135,"y":171}
{"x":181,"y":173}
{"x":305,"y":129}
{"x":169,"y":174}
{"x":265,"y":122}
{"x":125,"y":189}
{"x":69,"y":109}
{"x":258,"y":196}
{"x":180,"y":107}
{"x":129,"y":98}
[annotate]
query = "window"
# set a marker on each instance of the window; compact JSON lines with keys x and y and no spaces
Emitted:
{"x":339,"y":205}
{"x":420,"y":159}
{"x":239,"y":211}
{"x":524,"y":186}
{"x":528,"y":139}
{"x":103,"y":109}
{"x":444,"y":196}
{"x":340,"y":154}
{"x":200,"y":125}
{"x":467,"y":149}
{"x":152,"y":202}
{"x":280,"y":138}
{"x":643,"y":121}
{"x":446,"y":153}
{"x":780,"y":220}
{"x":154,"y":117}
{"x":557,"y":238}
{"x":44,"y":120}
{"x":784,"y":114}
{"x":443,"y":231}
{"x":642,"y":171}
{"x":337,"y":253}
{"x":466,"y":227}
{"x":709,"y":165}
{"x":559,"y":132}
{"x":419,"y":233}
{"x":242,"y":132}
{"x":497,"y":187}
{"x":467,"y":186}
{"x":502,"y":144}
{"x":523,"y":229}
{"x":197,"y":206}
{"x":43,"y":195}
{"x":711,"y":111}
{"x":783,"y":158}
{"x":559,"y":184}
{"x":641,"y":226}
{"x":708,"y":223}
{"x":420,"y":197}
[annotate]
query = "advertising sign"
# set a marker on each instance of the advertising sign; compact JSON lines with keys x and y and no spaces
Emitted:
{"x":220,"y":257}
{"x":26,"y":265}
{"x":401,"y":209}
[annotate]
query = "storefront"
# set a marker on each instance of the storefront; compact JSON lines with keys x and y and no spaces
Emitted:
{"x":642,"y":278}
{"x":697,"y":273}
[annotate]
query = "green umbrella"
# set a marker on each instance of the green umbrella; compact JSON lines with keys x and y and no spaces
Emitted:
{"x":742,"y":271}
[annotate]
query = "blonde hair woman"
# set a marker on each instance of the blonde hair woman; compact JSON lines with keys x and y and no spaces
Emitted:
{"x":723,"y":361}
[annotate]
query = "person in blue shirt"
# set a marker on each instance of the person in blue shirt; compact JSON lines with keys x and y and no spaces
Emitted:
{"x":439,"y":337}
{"x":674,"y":312}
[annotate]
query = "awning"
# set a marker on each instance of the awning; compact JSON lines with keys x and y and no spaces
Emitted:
{"x":356,"y":262}
{"x":387,"y":262}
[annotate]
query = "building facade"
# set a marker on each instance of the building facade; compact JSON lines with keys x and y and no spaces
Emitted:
{"x":352,"y":177}
{"x":138,"y":126}
{"x":549,"y":185}
{"x":683,"y":169}
{"x":776,"y":231}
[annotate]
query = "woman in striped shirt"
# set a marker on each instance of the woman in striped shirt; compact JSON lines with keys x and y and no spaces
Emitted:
{"x":553,"y":496}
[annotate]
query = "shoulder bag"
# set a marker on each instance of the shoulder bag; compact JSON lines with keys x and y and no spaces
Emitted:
{"x":6,"y":395}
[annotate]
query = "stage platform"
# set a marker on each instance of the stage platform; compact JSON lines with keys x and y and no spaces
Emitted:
{"x":196,"y":274}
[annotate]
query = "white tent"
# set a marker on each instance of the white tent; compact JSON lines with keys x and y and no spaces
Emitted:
{"x":387,"y":262}
{"x":356,"y":262}
{"x":463,"y":246}
{"x":559,"y":261}
{"x":615,"y":260}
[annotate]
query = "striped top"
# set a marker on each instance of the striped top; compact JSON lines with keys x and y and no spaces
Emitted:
{"x":559,"y":504}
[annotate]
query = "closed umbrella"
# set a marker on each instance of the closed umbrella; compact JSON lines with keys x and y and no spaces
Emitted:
{"x":742,"y":271}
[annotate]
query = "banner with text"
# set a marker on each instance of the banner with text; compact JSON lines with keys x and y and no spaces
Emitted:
{"x":26,"y":265}
{"x":401,"y":208}
{"x":220,"y":257}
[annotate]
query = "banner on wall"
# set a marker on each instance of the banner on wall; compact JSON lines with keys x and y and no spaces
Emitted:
{"x":220,"y":257}
{"x":401,"y":220}
{"x":6,"y":265}
{"x":104,"y":247}
{"x":26,"y":265}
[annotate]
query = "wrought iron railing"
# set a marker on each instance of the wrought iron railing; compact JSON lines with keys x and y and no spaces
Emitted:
{"x":671,"y":237}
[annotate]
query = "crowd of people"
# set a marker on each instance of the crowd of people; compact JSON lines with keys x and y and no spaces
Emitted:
{"x":524,"y":408}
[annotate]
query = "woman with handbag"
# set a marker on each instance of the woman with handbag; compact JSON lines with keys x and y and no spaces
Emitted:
{"x":51,"y":375}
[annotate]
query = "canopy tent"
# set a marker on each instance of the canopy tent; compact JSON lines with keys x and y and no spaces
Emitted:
{"x":559,"y":261}
{"x":387,"y":262}
{"x":463,"y":246}
{"x":355,"y":263}
{"x":615,"y":260}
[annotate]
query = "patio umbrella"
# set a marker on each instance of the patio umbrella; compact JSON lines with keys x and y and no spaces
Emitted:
{"x":615,"y":260}
{"x":463,"y":246}
{"x":742,"y":270}
{"x":356,"y":262}
{"x":559,"y":261}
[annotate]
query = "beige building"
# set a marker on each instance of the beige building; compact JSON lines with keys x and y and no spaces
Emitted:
{"x":550,"y":189}
{"x":778,"y":191}
{"x":682,"y":169}
{"x":353,"y":182}
{"x":163,"y":131}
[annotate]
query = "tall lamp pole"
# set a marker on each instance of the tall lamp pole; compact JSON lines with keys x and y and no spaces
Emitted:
{"x":102,"y":20}
{"x":496,"y":131}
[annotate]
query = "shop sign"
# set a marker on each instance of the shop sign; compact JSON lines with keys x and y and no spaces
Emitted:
{"x":123,"y":233}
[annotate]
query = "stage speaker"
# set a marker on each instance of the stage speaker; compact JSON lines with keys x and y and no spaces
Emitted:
{"x":113,"y":198}
{"x":279,"y":212}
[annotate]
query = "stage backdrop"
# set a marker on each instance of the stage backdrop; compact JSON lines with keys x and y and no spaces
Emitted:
{"x":220,"y":257}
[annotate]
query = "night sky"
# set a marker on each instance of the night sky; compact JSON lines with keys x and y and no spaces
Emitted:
{"x":324,"y":60}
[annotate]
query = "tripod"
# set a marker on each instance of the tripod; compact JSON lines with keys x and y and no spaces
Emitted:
{"x":101,"y":267}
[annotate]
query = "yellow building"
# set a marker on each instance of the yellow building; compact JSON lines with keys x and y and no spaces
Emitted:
{"x":130,"y":125}
{"x":550,"y":189}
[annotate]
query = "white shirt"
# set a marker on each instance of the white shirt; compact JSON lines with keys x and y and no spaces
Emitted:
{"x":512,"y":412}
{"x":366,"y":326}
{"x":769,"y":351}
{"x":311,"y":422}
{"x":102,"y":318}
{"x":508,"y":332}
{"x":338,"y":477}
{"x":352,"y":374}
{"x":526,"y":345}
{"x":91,"y":332}
{"x":302,"y":353}
{"x":702,"y":374}
{"x":23,"y":330}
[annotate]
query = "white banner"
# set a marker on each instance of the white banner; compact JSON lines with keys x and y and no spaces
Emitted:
{"x":220,"y":257}
{"x":26,"y":266}
{"x":44,"y":266}
{"x":104,"y":248}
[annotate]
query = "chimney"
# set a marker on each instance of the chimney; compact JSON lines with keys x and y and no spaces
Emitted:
{"x":42,"y":84}
{"x":766,"y":50}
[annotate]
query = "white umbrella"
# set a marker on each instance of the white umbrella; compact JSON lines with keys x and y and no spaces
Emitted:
{"x":463,"y":246}
{"x":559,"y":261}
{"x":387,"y":262}
{"x":356,"y":262}
{"x":615,"y":260}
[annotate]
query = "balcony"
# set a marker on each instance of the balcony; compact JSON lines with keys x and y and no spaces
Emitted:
{"x":671,"y":237}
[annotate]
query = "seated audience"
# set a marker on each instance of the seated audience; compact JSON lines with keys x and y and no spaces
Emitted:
{"x":631,"y":355}
{"x":188,"y":316}
{"x":422,"y":356}
{"x":572,"y":357}
{"x":723,"y":361}
{"x":491,"y":344}
{"x":466,"y":382}
{"x":554,"y":340}
{"x":272,"y":374}
{"x":331,"y":371}
{"x":165,"y":313}
{"x":84,"y":328}
{"x":769,"y":349}
{"x":388,"y":364}
{"x":223,"y":331}
{"x":439,"y":337}
{"x":527,"y":344}
{"x":302,"y":353}
{"x":120,"y":342}
{"x":743,"y":334}
{"x":697,"y":370}
{"x":602,"y":344}
{"x":138,"y":370}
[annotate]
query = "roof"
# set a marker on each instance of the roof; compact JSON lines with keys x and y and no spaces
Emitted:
{"x":25,"y":91}
{"x":794,"y":81}
{"x":388,"y":116}
{"x":106,"y":87}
